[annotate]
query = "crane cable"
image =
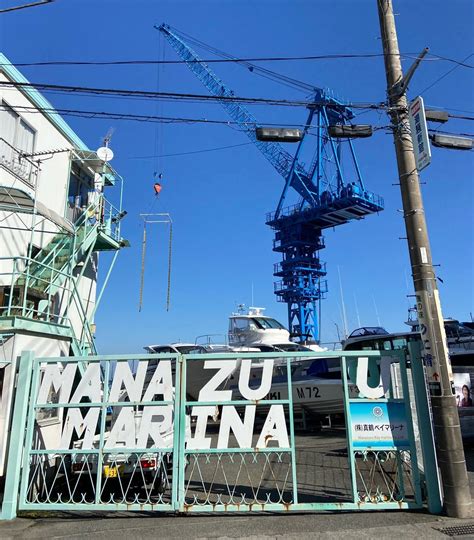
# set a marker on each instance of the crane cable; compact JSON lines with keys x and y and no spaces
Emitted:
{"x":168,"y":293}
{"x":264,"y":72}
{"x":142,"y":275}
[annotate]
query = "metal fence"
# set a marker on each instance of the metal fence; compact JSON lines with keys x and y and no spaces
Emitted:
{"x":212,"y":432}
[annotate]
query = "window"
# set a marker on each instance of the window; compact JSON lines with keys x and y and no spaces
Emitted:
{"x":400,"y":343}
{"x":19,"y":138}
{"x":268,"y":323}
{"x":190,"y":349}
{"x":15,"y":130}
{"x":240,"y":325}
{"x":9,"y":121}
{"x":25,"y":137}
{"x":163,"y":349}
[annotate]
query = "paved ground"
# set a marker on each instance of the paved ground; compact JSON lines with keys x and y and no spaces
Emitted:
{"x":322,"y":471}
{"x":347,"y":525}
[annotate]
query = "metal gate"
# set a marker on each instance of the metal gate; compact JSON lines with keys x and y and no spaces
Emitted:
{"x":216,"y":432}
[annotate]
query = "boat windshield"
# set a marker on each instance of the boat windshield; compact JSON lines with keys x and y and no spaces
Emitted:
{"x":190,"y":349}
{"x":457,"y":330}
{"x":292,"y":347}
{"x":369,"y":331}
{"x":266,"y":322}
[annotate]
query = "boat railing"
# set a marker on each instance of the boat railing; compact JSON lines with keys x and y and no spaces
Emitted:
{"x":211,"y":339}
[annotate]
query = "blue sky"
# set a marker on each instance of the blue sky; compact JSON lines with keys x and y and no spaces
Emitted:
{"x":218,"y":200}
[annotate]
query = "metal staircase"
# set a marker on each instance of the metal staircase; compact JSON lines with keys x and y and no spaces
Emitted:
{"x":44,"y":287}
{"x":49,"y":269}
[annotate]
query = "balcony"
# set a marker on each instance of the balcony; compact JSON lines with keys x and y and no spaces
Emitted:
{"x":17,"y":164}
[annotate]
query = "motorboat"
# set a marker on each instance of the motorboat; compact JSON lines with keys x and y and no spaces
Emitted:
{"x":316,"y":382}
{"x":460,"y":341}
{"x":459,"y":337}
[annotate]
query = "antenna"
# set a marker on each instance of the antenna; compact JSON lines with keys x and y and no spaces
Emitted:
{"x":108,"y":137}
{"x":357,"y":311}
{"x":344,"y":316}
{"x":376,"y":311}
{"x":104,"y":152}
{"x":337,"y":330}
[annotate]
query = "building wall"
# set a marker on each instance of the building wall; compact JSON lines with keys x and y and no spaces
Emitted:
{"x":53,"y":178}
{"x":50,"y":430}
{"x":51,"y":189}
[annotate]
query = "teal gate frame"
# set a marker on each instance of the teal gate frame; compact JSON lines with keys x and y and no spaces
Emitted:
{"x":160,"y":477}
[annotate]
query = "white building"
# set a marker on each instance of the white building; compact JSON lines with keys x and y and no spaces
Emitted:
{"x":54,"y":220}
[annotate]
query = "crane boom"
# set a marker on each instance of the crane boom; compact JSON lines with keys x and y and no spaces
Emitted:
{"x":281,"y":160}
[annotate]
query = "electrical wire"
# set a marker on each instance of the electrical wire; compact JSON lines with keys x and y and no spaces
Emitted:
{"x":459,"y":64}
{"x":460,"y":117}
{"x":179,"y":95}
{"x":25,"y":6}
{"x":430,"y":58}
{"x":147,"y":118}
{"x":442,"y":132}
{"x":204,"y":150}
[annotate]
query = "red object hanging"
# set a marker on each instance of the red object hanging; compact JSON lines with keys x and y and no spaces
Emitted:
{"x":157,"y":187}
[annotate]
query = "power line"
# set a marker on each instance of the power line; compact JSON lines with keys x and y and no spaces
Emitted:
{"x":448,"y":109}
{"x":204,"y":150}
{"x":127,"y":116}
{"x":149,"y":94}
{"x":199,"y":98}
{"x":442,"y":132}
{"x":24,"y":6}
{"x":177,"y":95}
{"x":147,"y":117}
{"x":335,"y":56}
{"x":459,"y":64}
{"x":461,"y":117}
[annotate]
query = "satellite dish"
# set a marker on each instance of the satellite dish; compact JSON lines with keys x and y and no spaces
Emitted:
{"x":105,"y":154}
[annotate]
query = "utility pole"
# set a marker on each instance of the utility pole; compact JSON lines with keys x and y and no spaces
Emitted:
{"x":450,"y":452}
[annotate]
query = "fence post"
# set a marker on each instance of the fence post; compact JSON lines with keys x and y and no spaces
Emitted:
{"x":15,"y":448}
{"x":179,"y":446}
{"x":425,"y":428}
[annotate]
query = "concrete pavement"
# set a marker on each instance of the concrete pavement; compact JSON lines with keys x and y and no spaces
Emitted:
{"x":374,"y":525}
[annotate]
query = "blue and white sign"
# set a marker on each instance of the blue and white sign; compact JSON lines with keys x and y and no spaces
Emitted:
{"x":379,"y":425}
{"x":419,"y":133}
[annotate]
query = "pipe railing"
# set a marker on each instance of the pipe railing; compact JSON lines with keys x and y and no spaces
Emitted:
{"x":17,"y":163}
{"x":24,"y":307}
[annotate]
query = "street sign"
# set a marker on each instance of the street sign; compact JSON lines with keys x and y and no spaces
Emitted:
{"x":419,"y":133}
{"x":432,"y":352}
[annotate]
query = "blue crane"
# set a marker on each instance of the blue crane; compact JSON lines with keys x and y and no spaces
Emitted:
{"x":328,"y":193}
